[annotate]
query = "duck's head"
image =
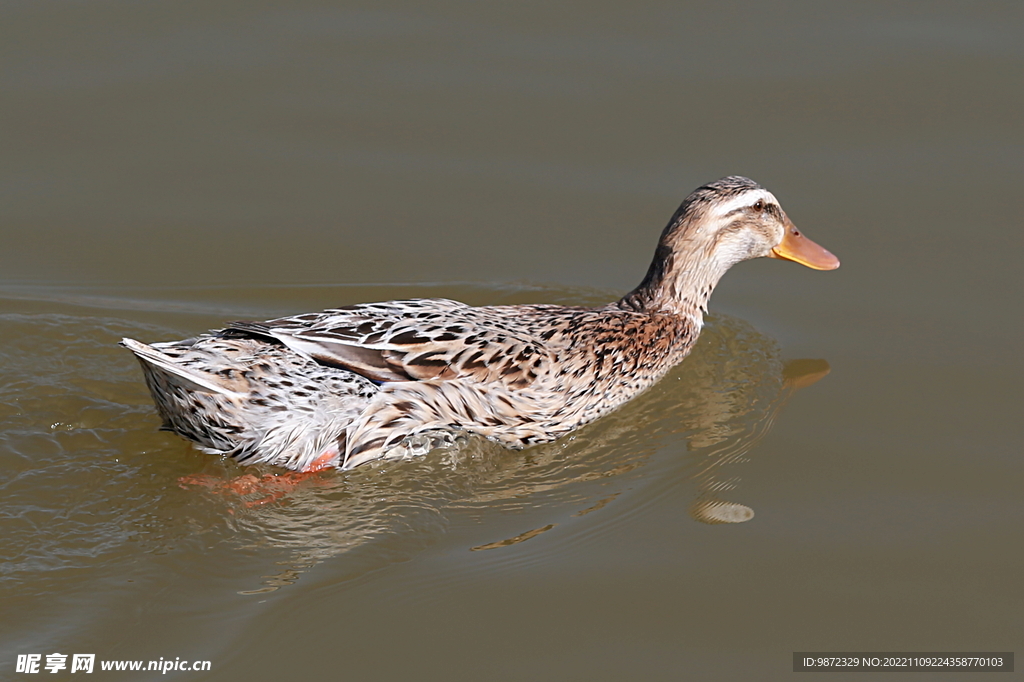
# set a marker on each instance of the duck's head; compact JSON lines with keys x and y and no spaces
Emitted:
{"x":718,"y":225}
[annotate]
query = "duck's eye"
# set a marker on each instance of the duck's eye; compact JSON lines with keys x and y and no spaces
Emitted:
{"x":759,"y":206}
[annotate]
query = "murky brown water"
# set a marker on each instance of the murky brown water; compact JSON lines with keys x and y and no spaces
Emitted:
{"x":170,"y":167}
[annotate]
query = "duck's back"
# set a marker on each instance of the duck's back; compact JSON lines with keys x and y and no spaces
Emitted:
{"x":342,"y":386}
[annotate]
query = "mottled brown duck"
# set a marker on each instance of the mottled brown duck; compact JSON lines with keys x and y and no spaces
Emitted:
{"x":350,"y":385}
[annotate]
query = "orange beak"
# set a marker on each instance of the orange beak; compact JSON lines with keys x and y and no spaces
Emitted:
{"x":798,"y":248}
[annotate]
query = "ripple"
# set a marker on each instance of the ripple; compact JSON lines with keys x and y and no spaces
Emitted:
{"x":92,"y":484}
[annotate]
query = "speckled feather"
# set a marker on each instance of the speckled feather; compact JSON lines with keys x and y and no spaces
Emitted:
{"x":345,"y":386}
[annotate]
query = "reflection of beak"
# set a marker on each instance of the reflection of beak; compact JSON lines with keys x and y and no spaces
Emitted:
{"x":796,"y":247}
{"x":802,"y":373}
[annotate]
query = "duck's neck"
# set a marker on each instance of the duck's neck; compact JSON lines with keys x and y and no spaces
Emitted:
{"x":675,"y":285}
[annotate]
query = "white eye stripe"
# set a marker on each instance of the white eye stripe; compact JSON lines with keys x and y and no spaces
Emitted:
{"x":743,"y":201}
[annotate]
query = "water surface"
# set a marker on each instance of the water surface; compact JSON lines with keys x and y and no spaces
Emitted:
{"x":170,"y":167}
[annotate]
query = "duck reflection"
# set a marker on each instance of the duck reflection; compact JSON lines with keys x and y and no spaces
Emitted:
{"x":720,"y":447}
{"x":698,"y":425}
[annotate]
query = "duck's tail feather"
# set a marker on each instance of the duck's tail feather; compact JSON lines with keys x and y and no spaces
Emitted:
{"x":193,"y":379}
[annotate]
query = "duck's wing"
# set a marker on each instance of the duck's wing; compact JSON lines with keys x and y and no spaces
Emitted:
{"x":413,"y":340}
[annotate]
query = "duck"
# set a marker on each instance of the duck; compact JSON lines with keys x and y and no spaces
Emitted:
{"x":354,"y":384}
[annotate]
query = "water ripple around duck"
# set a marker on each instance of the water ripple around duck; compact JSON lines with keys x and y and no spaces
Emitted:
{"x":92,"y":485}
